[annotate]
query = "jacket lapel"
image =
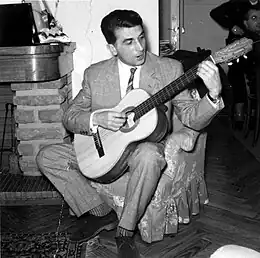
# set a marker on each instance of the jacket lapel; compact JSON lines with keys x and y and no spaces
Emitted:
{"x":112,"y":91}
{"x":149,"y":80}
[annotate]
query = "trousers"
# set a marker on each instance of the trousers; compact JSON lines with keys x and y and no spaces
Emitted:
{"x":58,"y":162}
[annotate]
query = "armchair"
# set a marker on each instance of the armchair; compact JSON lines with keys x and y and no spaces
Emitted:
{"x":180,"y":190}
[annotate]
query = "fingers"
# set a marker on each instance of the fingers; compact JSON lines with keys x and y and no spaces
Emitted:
{"x":207,"y":70}
{"x":117,"y":117}
{"x":209,"y":73}
{"x":116,"y":120}
{"x":207,"y":67}
{"x":110,"y":119}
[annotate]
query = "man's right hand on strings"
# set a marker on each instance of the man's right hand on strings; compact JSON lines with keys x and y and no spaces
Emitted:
{"x":111,"y":120}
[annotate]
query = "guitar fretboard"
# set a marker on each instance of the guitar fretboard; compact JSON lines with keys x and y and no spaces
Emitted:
{"x":168,"y":92}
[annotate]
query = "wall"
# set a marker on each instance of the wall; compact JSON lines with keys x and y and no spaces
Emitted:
{"x":197,"y":28}
{"x":164,"y":19}
{"x":81,"y":22}
{"x":201,"y":30}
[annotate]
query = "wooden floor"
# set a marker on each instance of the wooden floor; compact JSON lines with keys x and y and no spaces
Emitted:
{"x":232,"y":216}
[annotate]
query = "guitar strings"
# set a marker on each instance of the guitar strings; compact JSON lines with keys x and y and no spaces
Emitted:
{"x":167,"y":92}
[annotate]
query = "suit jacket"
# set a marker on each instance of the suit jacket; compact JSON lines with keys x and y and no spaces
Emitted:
{"x":101,"y":89}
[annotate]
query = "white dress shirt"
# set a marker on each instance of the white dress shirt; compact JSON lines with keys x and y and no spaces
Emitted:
{"x":124,"y":75}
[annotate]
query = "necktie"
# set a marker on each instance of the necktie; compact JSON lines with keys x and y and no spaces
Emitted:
{"x":131,"y":79}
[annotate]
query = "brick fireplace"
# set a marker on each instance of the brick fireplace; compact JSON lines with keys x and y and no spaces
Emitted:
{"x":39,"y":79}
{"x":40,"y":107}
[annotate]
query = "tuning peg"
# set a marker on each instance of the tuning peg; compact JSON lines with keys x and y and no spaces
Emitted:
{"x":230,"y":63}
{"x":238,"y":60}
{"x":245,"y":56}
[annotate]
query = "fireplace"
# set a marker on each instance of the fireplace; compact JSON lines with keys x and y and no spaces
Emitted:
{"x":37,"y":81}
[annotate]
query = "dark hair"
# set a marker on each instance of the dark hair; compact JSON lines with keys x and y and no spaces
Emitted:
{"x":119,"y":19}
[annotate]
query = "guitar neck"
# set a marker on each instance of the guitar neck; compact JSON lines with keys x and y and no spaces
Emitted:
{"x":167,"y":93}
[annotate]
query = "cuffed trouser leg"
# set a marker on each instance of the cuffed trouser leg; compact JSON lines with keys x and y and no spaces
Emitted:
{"x":59,"y":164}
{"x":145,"y":168}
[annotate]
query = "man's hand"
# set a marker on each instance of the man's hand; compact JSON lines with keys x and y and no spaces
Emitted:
{"x":209,"y":73}
{"x":109,"y":120}
{"x":237,"y":30}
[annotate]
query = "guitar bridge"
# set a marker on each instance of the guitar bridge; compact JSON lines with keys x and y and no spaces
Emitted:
{"x":98,"y":144}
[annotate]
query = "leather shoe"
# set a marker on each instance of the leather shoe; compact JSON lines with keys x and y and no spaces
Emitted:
{"x":88,"y":226}
{"x":126,"y":247}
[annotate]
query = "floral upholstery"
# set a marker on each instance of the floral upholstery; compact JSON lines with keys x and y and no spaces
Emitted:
{"x":180,"y":191}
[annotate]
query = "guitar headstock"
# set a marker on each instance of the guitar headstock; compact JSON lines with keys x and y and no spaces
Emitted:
{"x":233,"y":51}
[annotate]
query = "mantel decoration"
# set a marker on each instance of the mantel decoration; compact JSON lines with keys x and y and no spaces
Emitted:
{"x":49,"y":28}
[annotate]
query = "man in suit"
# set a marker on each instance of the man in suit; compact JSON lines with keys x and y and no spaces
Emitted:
{"x":104,"y":85}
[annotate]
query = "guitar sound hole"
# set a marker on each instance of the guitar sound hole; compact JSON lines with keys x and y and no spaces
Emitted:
{"x":130,"y":123}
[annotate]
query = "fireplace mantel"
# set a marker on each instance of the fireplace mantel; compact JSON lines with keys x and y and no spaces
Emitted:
{"x":36,"y":63}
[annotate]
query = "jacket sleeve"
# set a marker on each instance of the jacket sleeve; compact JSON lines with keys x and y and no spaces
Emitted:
{"x":193,"y":113}
{"x":76,"y":117}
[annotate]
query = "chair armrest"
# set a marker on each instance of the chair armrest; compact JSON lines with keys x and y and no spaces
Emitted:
{"x":185,"y":138}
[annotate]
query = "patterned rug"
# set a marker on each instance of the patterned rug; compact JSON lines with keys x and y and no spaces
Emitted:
{"x":51,"y":245}
{"x":39,"y":246}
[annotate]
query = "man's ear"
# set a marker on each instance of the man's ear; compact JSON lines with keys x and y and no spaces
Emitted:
{"x":245,"y":23}
{"x":112,"y":49}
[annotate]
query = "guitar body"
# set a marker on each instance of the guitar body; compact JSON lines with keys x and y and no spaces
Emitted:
{"x":118,"y":145}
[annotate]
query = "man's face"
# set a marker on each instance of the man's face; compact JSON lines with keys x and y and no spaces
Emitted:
{"x":253,"y":22}
{"x":130,"y":45}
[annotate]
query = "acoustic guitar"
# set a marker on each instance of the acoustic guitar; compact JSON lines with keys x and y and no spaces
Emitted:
{"x":102,"y":157}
